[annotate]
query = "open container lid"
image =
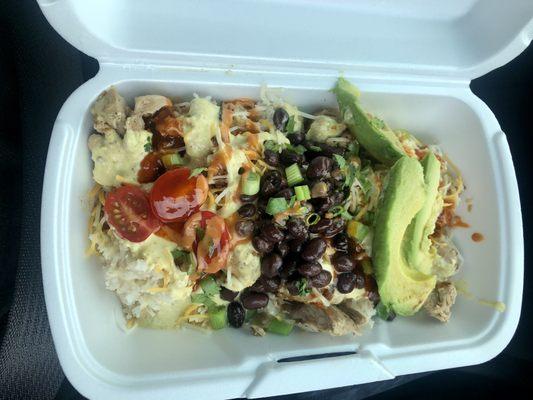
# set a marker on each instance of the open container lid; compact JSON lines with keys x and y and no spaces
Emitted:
{"x":456,"y":39}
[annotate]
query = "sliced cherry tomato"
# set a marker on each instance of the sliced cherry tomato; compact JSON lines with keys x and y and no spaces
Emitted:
{"x":175,"y":196}
{"x":206,"y":233}
{"x":128,"y":211}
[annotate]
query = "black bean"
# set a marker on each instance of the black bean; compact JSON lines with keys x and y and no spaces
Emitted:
{"x":261,"y":245}
{"x":271,"y":264}
{"x":244,"y":227}
{"x":309,"y":269}
{"x":359,"y":279}
{"x":272,"y":233}
{"x":286,"y":193}
{"x":323,"y":278}
{"x":346,"y":282}
{"x":289,"y":268}
{"x":280,"y":119}
{"x":297,"y":228}
{"x":319,"y":167}
{"x":342,"y":262}
{"x":266,"y":285}
{"x":283,"y":248}
{"x":340,"y":242}
{"x":271,"y":182}
{"x":247,"y":211}
{"x":271,"y":157}
{"x":321,"y":226}
{"x":322,"y":204}
{"x":236,"y":314}
{"x":296,"y":245}
{"x":228,"y":295}
{"x":288,"y":157}
{"x":371,"y":288}
{"x":253,"y":300}
{"x":337,"y":226}
{"x":314,"y":249}
{"x":328,"y":150}
{"x":245,"y":198}
{"x":296,"y":138}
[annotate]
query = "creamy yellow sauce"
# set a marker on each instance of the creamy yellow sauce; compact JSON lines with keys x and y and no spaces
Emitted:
{"x":200,"y":126}
{"x":117,"y":160}
{"x":243,"y":267}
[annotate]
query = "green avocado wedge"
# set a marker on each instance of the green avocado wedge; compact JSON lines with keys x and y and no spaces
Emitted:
{"x":372,"y":133}
{"x":401,"y":287}
{"x":417,"y":242}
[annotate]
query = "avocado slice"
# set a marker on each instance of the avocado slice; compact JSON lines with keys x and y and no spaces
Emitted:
{"x":417,"y":242}
{"x":401,"y":288}
{"x":371,"y":132}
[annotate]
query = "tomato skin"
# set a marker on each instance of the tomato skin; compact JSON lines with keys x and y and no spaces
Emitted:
{"x":128,"y":211}
{"x":175,"y":196}
{"x":212,"y":249}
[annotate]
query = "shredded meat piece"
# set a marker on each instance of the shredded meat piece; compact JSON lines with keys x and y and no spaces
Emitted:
{"x":109,"y":112}
{"x":257,"y":330}
{"x":440,"y":301}
{"x":312,"y":318}
{"x":360,"y":311}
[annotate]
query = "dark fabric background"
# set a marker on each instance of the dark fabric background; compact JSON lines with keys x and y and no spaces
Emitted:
{"x":38,"y":70}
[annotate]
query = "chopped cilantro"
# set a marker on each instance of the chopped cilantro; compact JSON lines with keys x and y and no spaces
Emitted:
{"x":202,"y":298}
{"x":362,"y":177}
{"x":197,"y":171}
{"x":351,"y":172}
{"x":303,"y":290}
{"x":314,"y":148}
{"x":340,"y":160}
{"x":353,"y":148}
{"x":148,"y":145}
{"x":178,"y":254}
{"x":200,"y":233}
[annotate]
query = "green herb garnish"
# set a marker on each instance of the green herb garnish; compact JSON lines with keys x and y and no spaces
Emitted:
{"x":148,"y":145}
{"x":200,"y":233}
{"x":209,"y":286}
{"x":197,"y":171}
{"x":340,"y":160}
{"x":301,"y":285}
{"x":351,"y":172}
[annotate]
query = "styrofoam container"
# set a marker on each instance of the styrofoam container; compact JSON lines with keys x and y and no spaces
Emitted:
{"x":412,"y":60}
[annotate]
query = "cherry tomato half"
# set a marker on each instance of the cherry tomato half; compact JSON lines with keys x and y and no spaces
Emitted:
{"x":128,"y":211}
{"x":175,"y":196}
{"x":206,"y":233}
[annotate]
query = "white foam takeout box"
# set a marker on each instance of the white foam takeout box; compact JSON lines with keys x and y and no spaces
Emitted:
{"x":413,"y":61}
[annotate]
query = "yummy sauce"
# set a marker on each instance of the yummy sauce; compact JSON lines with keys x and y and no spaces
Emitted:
{"x":477,"y":237}
{"x":458,"y":222}
{"x":151,"y":168}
